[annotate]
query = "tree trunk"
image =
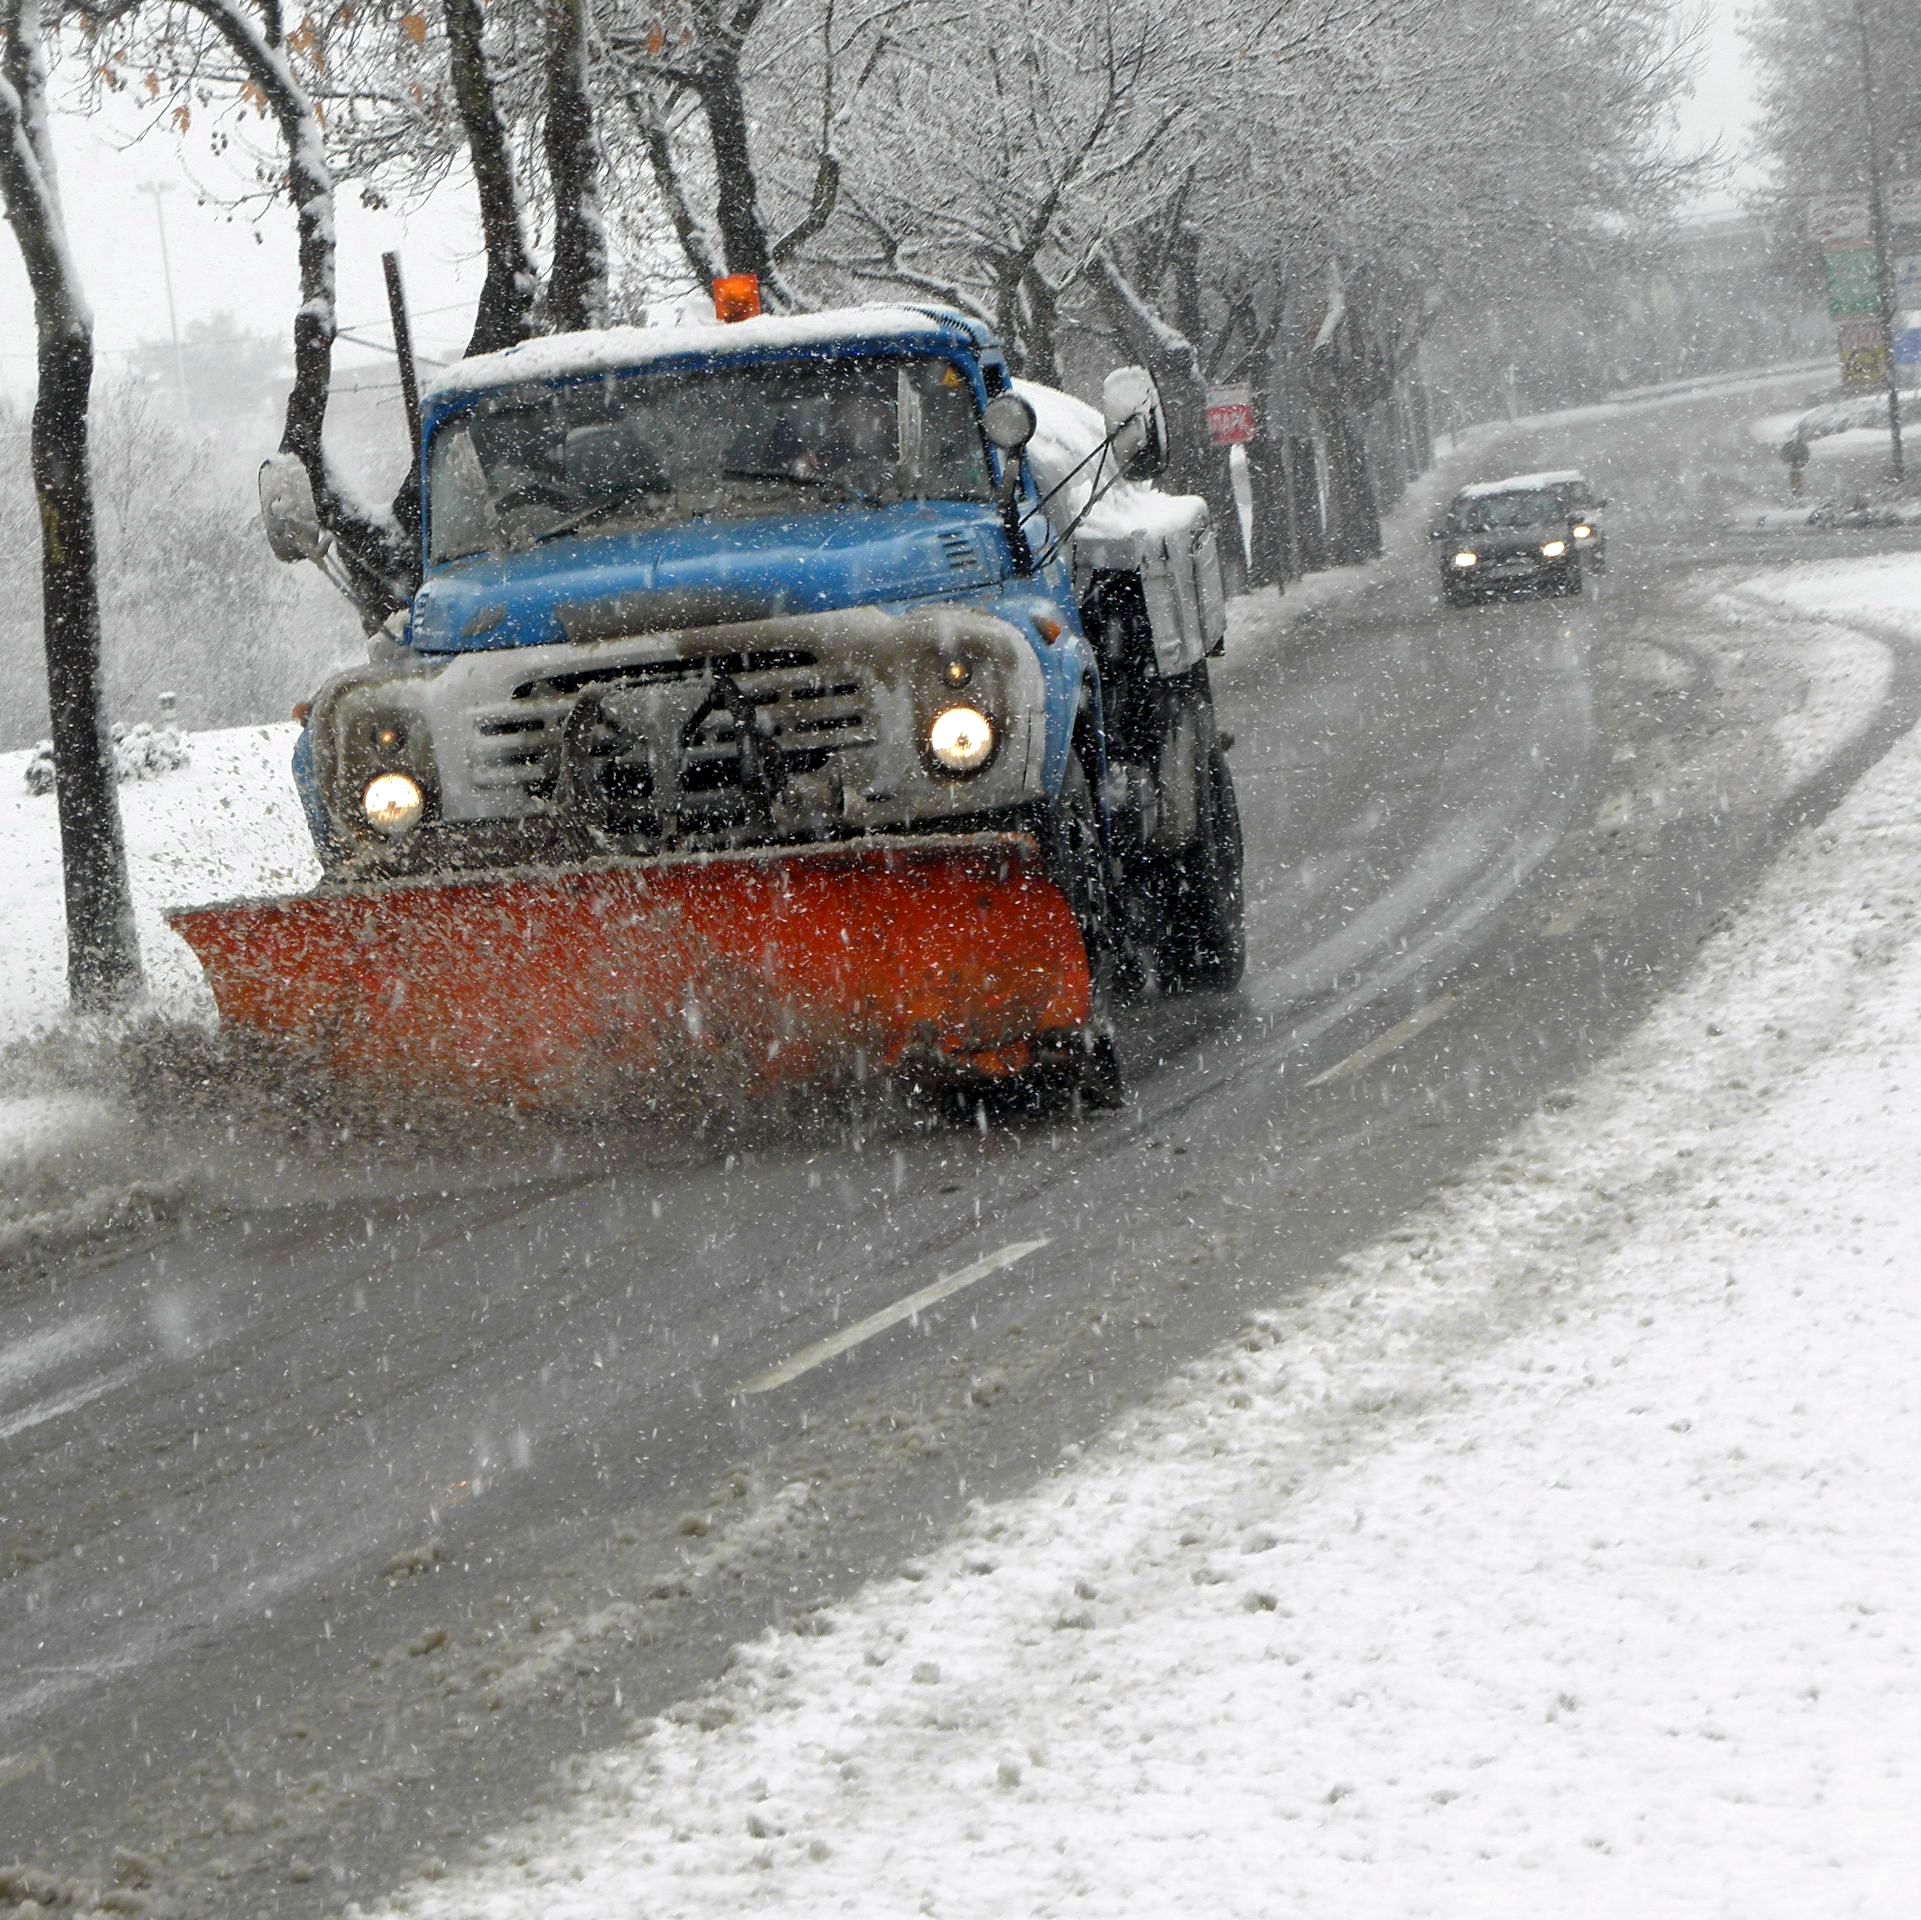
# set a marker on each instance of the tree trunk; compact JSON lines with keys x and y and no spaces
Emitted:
{"x":577,"y":281}
{"x":504,"y":314}
{"x":1270,"y":557}
{"x":1421,"y":424}
{"x":1354,"y":533}
{"x":103,"y":954}
{"x":743,"y":233}
{"x":382,"y":565}
{"x":1310,"y":521}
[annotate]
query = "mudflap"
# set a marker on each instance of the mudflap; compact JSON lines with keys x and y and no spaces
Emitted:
{"x":952,"y":955}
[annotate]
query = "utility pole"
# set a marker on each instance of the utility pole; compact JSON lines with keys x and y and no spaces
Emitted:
{"x":1878,"y":228}
{"x":157,"y":188}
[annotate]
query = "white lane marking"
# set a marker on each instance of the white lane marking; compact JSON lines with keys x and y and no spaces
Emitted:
{"x":75,"y":1397}
{"x":41,"y":1351}
{"x":810,"y":1357}
{"x":1364,"y":1057}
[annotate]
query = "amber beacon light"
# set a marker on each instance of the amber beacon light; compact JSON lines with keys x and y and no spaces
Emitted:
{"x":737,"y":296}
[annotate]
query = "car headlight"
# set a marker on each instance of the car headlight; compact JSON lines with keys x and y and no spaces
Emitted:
{"x":960,"y":739}
{"x":1584,"y":533}
{"x":1554,"y":550}
{"x":1466,"y":559}
{"x":392,"y":802}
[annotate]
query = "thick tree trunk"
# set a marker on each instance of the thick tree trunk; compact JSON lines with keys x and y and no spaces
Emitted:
{"x":743,"y":232}
{"x":504,"y":314}
{"x":103,"y":954}
{"x":1310,"y":522}
{"x":1354,"y":531}
{"x":577,"y":281}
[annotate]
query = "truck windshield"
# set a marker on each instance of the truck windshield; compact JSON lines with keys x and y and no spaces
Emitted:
{"x":530,"y":464}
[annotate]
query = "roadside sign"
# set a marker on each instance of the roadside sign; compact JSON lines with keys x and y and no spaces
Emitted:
{"x":1853,"y":286}
{"x":1839,"y":221}
{"x":1864,"y":356}
{"x":1907,"y":342}
{"x":1230,"y":415}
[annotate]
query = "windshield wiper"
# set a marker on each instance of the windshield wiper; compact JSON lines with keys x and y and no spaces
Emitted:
{"x":845,"y":488}
{"x":603,"y":510}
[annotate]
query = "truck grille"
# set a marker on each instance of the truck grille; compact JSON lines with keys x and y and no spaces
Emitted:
{"x":814,"y":711}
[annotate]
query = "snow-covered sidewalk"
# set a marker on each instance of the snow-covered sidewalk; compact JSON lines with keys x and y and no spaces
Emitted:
{"x":1557,"y":1558}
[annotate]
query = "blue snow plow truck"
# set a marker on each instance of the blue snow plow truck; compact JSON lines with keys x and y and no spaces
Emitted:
{"x":803,"y":691}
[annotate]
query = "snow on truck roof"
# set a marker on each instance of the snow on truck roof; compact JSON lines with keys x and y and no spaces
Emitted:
{"x":563,"y":356}
{"x":1523,"y":483}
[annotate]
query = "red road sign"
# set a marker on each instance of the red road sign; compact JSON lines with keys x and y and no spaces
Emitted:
{"x":1230,"y":415}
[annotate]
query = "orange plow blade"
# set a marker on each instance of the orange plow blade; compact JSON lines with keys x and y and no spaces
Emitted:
{"x":810,"y":963}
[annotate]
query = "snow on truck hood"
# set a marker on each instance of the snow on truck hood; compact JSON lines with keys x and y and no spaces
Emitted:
{"x":661,"y":579}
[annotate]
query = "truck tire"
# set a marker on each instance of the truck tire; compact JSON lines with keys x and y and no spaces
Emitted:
{"x":1077,"y":862}
{"x":1203,"y":944}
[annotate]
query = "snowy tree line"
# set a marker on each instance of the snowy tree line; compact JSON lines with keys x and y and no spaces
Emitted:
{"x":1285,"y":194}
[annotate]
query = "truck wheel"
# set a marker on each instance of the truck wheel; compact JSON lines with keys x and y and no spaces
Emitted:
{"x":1077,"y":862}
{"x":1203,"y":945}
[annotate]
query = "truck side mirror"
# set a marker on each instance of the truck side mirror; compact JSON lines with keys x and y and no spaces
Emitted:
{"x":1136,"y":422}
{"x":288,"y":512}
{"x":1009,"y":422}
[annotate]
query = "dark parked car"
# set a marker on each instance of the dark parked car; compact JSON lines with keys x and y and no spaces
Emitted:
{"x":1530,"y":533}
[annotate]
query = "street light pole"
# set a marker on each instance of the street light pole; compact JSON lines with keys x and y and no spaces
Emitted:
{"x":157,"y":188}
{"x":1878,"y":228}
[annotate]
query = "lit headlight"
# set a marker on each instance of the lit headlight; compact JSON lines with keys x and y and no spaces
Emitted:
{"x":1466,"y":559}
{"x":392,"y":802}
{"x":1584,"y":533}
{"x":961,"y":739}
{"x":1554,"y":549}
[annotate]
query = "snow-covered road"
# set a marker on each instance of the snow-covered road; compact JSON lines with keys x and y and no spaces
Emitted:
{"x":1558,"y":1560}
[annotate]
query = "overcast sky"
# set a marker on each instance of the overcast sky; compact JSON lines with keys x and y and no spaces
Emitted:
{"x":242,"y":264}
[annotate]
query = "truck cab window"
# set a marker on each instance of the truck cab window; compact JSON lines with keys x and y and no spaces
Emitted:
{"x":728,"y":442}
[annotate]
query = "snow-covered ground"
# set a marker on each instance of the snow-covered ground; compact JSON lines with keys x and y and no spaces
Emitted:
{"x":226,"y":824}
{"x":1557,"y":1559}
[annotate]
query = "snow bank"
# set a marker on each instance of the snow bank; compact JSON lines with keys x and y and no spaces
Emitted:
{"x":228,"y":823}
{"x":1554,"y":1558}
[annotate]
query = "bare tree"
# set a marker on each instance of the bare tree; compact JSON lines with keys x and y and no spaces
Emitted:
{"x":103,"y":953}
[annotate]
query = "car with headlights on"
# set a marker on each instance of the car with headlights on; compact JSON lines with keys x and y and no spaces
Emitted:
{"x":1518,"y":535}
